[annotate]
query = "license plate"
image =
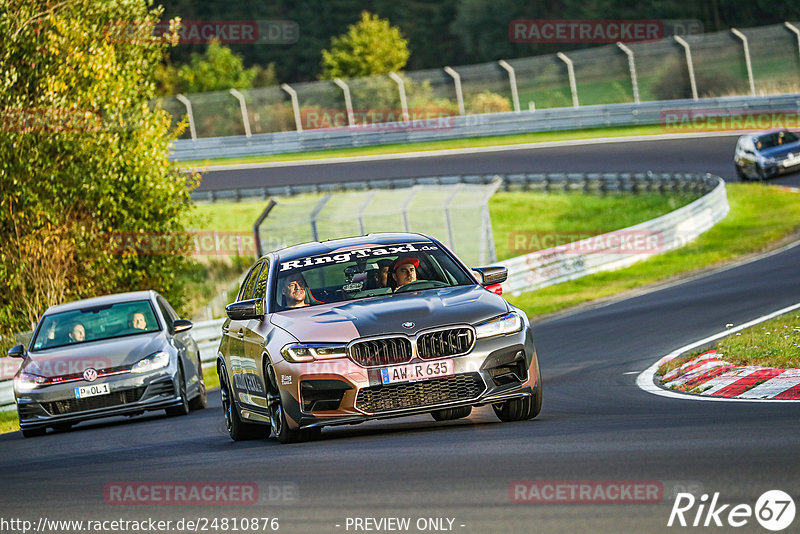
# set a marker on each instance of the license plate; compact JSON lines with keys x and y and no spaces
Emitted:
{"x":417,"y":371}
{"x":91,"y":391}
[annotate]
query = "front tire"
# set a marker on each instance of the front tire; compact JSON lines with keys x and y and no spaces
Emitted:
{"x":34,"y":432}
{"x":200,"y":401}
{"x":237,"y":429}
{"x":277,"y":415}
{"x":520,"y":409}
{"x":450,"y":414}
{"x":183,"y":407}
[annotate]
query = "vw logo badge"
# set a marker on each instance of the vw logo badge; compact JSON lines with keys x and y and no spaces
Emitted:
{"x":408,"y":324}
{"x":90,"y":375}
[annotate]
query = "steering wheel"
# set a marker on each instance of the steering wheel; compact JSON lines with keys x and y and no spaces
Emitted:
{"x":421,"y":284}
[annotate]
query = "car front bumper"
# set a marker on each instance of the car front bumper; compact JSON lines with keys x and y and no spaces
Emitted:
{"x":130,"y":393}
{"x":338,"y":392}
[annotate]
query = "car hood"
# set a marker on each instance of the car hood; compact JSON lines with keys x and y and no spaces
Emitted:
{"x":781,"y":151}
{"x":342,"y":322}
{"x":105,"y":354}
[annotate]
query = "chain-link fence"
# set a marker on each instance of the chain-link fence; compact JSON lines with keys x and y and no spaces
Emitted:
{"x":457,"y":215}
{"x":706,"y":65}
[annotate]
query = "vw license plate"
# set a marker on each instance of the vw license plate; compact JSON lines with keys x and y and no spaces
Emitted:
{"x":91,"y":391}
{"x":417,"y":371}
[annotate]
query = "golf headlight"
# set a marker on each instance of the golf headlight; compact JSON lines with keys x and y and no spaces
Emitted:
{"x":159,"y":360}
{"x":505,"y":324}
{"x":304,"y":352}
{"x":28,"y":382}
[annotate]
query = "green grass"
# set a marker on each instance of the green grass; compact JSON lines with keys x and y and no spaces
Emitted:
{"x":521,"y":221}
{"x":9,"y":422}
{"x":760,"y":216}
{"x":473,"y":142}
{"x":773,"y":343}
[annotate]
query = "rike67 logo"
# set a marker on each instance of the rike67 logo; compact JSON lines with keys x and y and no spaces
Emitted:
{"x":774,"y":510}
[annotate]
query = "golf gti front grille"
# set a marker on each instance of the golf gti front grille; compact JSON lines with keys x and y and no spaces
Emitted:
{"x":62,"y":407}
{"x":382,"y":351}
{"x":441,"y":343}
{"x":392,"y":397}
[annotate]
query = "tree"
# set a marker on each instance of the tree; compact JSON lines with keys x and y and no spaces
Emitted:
{"x":83,"y":157}
{"x":370,"y":47}
{"x":219,"y":69}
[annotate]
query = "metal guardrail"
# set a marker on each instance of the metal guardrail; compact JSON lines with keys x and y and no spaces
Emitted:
{"x":674,"y":115}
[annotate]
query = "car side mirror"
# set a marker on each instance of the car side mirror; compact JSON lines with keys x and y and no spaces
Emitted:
{"x":17,"y":351}
{"x":496,"y":274}
{"x":246,"y":309}
{"x":181,"y":325}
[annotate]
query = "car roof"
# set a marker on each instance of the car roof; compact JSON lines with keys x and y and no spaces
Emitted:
{"x":102,"y":301}
{"x":322,"y":247}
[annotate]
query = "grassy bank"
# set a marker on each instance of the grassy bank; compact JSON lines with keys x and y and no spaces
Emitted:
{"x":759,"y":218}
{"x":773,"y":343}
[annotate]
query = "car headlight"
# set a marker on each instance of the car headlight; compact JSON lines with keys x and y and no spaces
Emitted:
{"x":27,"y":382}
{"x":505,"y":324}
{"x":159,"y":360}
{"x":305,"y":352}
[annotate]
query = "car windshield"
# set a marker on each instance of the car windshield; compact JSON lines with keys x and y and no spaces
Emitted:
{"x":95,"y":323}
{"x":366,"y":271}
{"x":775,"y":139}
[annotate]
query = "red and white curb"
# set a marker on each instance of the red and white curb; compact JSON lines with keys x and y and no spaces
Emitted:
{"x":709,"y":374}
{"x":711,"y":378}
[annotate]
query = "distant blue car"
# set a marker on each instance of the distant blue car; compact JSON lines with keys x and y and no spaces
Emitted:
{"x":766,"y":155}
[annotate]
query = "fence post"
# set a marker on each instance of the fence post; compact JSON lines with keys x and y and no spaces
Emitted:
{"x":243,"y":106}
{"x":689,"y":64}
{"x":512,"y":81}
{"x":295,"y":106}
{"x":406,"y":204}
{"x":362,"y":228}
{"x":185,"y":101}
{"x":401,"y":87}
{"x":747,"y":63}
{"x":632,"y":69}
{"x":573,"y":87}
{"x":315,"y":213}
{"x":348,"y":103}
{"x":792,"y":28}
{"x":451,"y":237}
{"x":459,"y":94}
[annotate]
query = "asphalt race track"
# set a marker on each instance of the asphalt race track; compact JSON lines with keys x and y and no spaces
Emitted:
{"x":710,"y":154}
{"x":596,"y":426}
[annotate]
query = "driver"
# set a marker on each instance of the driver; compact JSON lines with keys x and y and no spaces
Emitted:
{"x":294,"y":291}
{"x":404,"y":271}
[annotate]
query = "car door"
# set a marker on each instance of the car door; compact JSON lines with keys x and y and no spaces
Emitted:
{"x":243,"y":368}
{"x":254,"y":337}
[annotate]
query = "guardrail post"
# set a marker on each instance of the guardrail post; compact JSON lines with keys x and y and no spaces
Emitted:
{"x":348,"y":103}
{"x":632,"y":69}
{"x":792,"y":28}
{"x":401,"y":87}
{"x":185,"y":101}
{"x":747,"y":63}
{"x":459,"y":94}
{"x":573,"y":87}
{"x":512,"y":81}
{"x":688,"y":51}
{"x":295,"y":106}
{"x":243,"y":106}
{"x":362,"y":228}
